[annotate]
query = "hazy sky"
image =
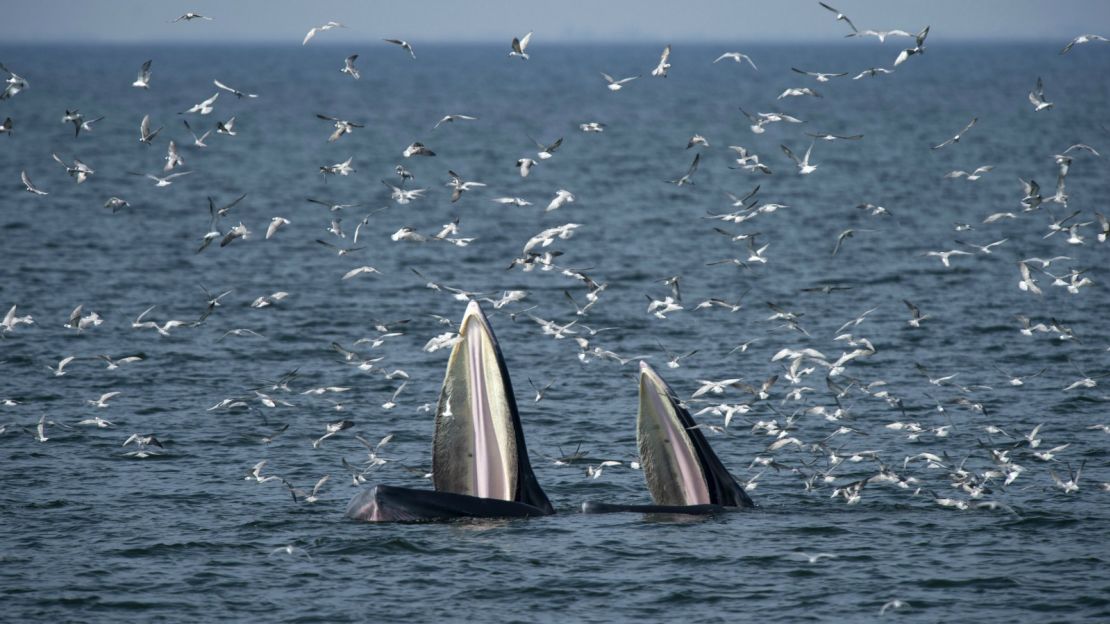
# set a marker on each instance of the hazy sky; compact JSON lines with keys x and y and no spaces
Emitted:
{"x":428,"y":21}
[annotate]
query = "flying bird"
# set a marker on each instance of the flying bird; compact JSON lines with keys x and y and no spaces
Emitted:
{"x":404,"y":45}
{"x":318,"y":29}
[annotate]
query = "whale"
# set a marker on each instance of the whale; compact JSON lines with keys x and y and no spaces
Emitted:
{"x":480,"y":465}
{"x":683,"y":474}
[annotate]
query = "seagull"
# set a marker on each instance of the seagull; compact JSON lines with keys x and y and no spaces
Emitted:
{"x":804,"y":168}
{"x":11,"y":321}
{"x":840,"y":17}
{"x":799,"y":91}
{"x":312,"y":32}
{"x":255,"y":474}
{"x":102,"y":402}
{"x":614,"y":84}
{"x":971,"y":177}
{"x":983,"y":249}
{"x":160,"y":182}
{"x":417,"y":149}
{"x":197,"y":141}
{"x":739,"y":57}
{"x":592,"y":126}
{"x":115,"y":203}
{"x":143,"y":80}
{"x":342,"y":126}
{"x":820,"y":76}
{"x":845,"y":235}
{"x":515,"y":201}
{"x":239,"y":94}
{"x":881,"y":35}
{"x":872,"y":72}
{"x":15,"y":83}
{"x":945,"y":256}
{"x":915,"y":322}
{"x":404,"y":45}
{"x":660,"y":70}
{"x":1082,"y":39}
{"x":349,"y":67}
{"x":520,"y":45}
{"x":30,"y":187}
{"x":204,"y":107}
{"x":458,"y":186}
{"x":362,"y":270}
{"x":1036,"y":97}
{"x":562,"y":197}
{"x":453,"y":118}
{"x":685,"y":179}
{"x":525,"y":165}
{"x":275,"y":223}
{"x":114,"y":364}
{"x":6,"y":127}
{"x":919,"y":48}
{"x":959,"y":135}
{"x":79,"y":122}
{"x":146,"y":137}
{"x":190,"y":16}
{"x":226,"y":127}
{"x":403,"y":196}
{"x":79,"y":171}
{"x":344,"y":168}
{"x":173,"y":159}
{"x":1027,"y":283}
{"x":547,"y":151}
{"x":307,"y":497}
{"x":59,"y":370}
{"x":81,"y":323}
{"x":835,"y":137}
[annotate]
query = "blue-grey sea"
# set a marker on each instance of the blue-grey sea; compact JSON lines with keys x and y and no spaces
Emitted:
{"x":91,"y":532}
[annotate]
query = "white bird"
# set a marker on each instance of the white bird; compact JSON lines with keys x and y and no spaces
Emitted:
{"x":239,"y":94}
{"x":275,"y":223}
{"x":592,"y":126}
{"x":959,"y":135}
{"x":881,"y":35}
{"x":164,"y":181}
{"x":204,"y":108}
{"x":342,"y":126}
{"x":918,"y":48}
{"x":143,"y":80}
{"x":614,"y":84}
{"x":14,"y":83}
{"x":417,"y":149}
{"x":458,"y":186}
{"x":660,"y":70}
{"x":820,"y":76}
{"x":197,"y":141}
{"x":312,"y":32}
{"x":1082,"y":39}
{"x":31,"y":188}
{"x":190,"y":16}
{"x":804,"y":168}
{"x":226,"y":127}
{"x":79,"y":171}
{"x":945,"y":256}
{"x":404,"y":45}
{"x":840,"y":17}
{"x":145,"y":135}
{"x":520,"y":45}
{"x":562,"y":197}
{"x":971,"y":177}
{"x":453,"y":118}
{"x":173,"y":158}
{"x":349,"y":67}
{"x":1027,"y":283}
{"x":362,"y":270}
{"x":344,"y":168}
{"x":739,"y":57}
{"x":102,"y":402}
{"x":1036,"y":97}
{"x":60,"y":369}
{"x":872,"y":73}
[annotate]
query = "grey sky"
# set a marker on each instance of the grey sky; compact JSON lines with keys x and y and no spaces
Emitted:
{"x":429,"y":21}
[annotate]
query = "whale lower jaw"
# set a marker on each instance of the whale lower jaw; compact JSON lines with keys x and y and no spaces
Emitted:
{"x":387,"y":503}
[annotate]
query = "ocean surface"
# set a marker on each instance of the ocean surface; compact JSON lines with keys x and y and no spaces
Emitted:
{"x":94,"y":533}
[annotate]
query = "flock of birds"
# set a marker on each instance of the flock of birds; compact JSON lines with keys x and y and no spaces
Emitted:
{"x":811,"y":386}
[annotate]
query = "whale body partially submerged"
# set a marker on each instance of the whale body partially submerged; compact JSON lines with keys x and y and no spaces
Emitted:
{"x":480,"y":466}
{"x":683,"y":473}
